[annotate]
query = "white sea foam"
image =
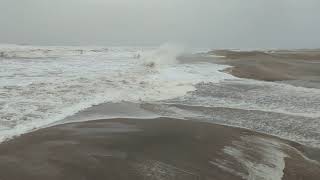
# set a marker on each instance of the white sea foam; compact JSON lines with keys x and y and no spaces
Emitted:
{"x":163,"y":56}
{"x":258,"y":95}
{"x":42,"y":85}
{"x":262,"y":158}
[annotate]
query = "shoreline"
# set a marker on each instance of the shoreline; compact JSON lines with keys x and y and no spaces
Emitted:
{"x":148,"y":145}
{"x":295,"y":67}
{"x":153,"y":149}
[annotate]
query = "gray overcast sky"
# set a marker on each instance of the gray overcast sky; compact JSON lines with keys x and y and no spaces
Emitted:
{"x":202,"y":23}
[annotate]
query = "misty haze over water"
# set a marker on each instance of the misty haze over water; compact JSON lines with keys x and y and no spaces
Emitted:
{"x":205,"y":23}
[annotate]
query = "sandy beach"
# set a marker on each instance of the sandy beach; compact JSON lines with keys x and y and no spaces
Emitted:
{"x":152,"y":149}
{"x":181,"y":136}
{"x":296,"y":67}
{"x":159,"y":90}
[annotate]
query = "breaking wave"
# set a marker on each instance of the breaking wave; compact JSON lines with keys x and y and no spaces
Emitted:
{"x":40,"y":86}
{"x":165,"y":55}
{"x":43,"y":85}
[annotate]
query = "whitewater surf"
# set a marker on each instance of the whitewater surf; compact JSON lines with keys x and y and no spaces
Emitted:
{"x":40,"y":86}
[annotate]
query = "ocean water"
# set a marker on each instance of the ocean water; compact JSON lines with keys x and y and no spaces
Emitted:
{"x":40,"y":86}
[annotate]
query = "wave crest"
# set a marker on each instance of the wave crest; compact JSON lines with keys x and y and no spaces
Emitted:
{"x":165,"y":55}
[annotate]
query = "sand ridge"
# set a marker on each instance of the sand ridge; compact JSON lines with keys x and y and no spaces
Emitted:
{"x":272,"y":65}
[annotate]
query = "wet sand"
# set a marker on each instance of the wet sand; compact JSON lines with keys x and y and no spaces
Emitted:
{"x":155,"y":149}
{"x":297,"y":67}
{"x":164,"y":148}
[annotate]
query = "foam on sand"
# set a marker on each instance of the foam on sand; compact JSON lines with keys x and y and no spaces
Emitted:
{"x":43,"y":85}
{"x":263,"y":159}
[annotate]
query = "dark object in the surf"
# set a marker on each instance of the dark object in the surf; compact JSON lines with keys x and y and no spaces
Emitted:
{"x":137,"y":56}
{"x":151,"y":64}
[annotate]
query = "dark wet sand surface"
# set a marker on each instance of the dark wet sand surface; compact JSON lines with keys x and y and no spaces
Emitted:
{"x":167,"y":149}
{"x":129,"y":149}
{"x":296,"y":67}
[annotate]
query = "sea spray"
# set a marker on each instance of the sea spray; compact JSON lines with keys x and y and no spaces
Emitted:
{"x":42,"y":85}
{"x":165,"y":55}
